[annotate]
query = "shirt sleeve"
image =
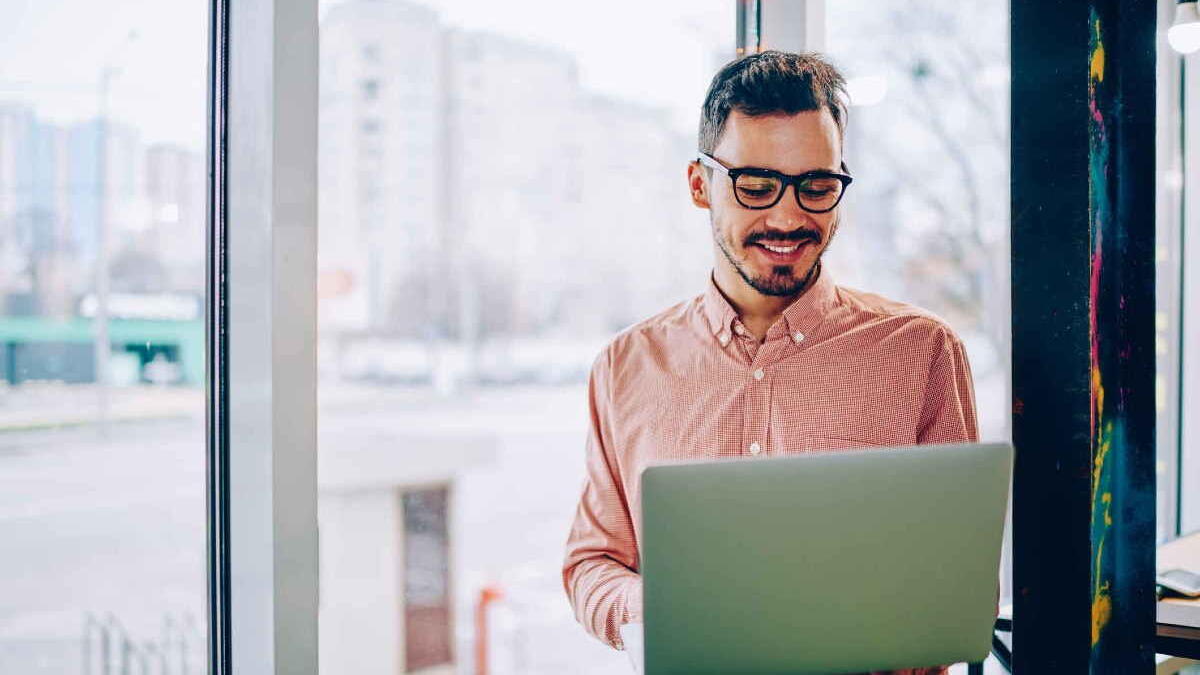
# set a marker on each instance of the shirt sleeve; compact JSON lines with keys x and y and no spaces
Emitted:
{"x":948,"y":415}
{"x":948,"y":411}
{"x":599,"y":572}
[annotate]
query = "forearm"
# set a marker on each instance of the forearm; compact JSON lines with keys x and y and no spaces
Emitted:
{"x":604,"y":595}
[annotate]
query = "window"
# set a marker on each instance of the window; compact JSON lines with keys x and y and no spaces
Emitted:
{"x":1177,"y":284}
{"x":928,"y":133}
{"x":102,"y":421}
{"x":370,"y":90}
{"x":468,"y":276}
{"x":481,"y":256}
{"x":929,"y":137}
{"x":1189,"y":471}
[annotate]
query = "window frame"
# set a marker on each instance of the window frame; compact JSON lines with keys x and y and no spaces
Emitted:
{"x":1187,"y":475}
{"x":261,"y":337}
{"x":215,"y":351}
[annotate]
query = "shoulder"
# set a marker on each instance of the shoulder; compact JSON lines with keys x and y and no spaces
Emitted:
{"x":652,"y":333}
{"x":865,"y":308}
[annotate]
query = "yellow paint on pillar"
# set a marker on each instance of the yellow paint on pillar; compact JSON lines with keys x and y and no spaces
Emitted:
{"x":1101,"y":613}
{"x":1097,"y":69}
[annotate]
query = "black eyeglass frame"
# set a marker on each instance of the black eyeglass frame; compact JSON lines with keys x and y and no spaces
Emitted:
{"x":786,"y":179}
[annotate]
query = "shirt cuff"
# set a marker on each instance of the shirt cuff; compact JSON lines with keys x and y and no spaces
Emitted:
{"x":633,"y":602}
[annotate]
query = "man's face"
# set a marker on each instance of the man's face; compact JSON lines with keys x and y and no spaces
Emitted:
{"x":791,"y":144}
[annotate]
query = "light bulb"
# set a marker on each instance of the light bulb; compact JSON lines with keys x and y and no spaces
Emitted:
{"x":1184,"y":33}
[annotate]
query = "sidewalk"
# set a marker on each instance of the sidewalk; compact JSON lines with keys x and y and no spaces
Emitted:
{"x":42,"y":406}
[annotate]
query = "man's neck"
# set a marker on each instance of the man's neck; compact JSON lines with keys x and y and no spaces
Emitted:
{"x":757,"y":311}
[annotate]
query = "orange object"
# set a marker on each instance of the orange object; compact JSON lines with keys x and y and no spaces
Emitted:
{"x":487,"y":596}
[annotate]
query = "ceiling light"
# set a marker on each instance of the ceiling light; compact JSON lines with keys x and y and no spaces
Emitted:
{"x":1184,"y":33}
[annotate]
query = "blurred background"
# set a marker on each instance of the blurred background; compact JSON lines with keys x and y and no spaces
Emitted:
{"x":502,"y":189}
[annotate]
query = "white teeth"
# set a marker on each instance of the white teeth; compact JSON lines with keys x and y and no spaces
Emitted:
{"x":781,"y":249}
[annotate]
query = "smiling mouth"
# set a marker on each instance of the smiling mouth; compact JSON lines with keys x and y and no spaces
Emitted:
{"x":780,"y":249}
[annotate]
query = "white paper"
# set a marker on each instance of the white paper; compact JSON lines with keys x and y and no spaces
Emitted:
{"x":631,"y":635}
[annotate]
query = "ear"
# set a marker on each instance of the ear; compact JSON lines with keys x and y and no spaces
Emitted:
{"x":698,"y":184}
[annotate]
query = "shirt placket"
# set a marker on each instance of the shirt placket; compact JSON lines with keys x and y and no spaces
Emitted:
{"x":746,"y":342}
{"x":756,"y":440}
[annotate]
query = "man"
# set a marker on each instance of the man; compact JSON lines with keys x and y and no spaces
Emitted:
{"x":773,"y":357}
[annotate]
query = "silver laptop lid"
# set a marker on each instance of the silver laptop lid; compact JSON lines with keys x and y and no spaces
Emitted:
{"x":839,"y":562}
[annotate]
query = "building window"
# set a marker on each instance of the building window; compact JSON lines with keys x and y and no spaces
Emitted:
{"x":371,"y":150}
{"x":427,"y":633}
{"x":370,"y":90}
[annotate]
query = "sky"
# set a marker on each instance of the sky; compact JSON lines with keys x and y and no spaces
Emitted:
{"x":53,"y":51}
{"x":662,"y":52}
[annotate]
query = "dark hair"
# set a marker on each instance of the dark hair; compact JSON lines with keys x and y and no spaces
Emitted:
{"x":771,"y":82}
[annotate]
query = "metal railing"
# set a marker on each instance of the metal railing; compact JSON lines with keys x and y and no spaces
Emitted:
{"x":109,"y":649}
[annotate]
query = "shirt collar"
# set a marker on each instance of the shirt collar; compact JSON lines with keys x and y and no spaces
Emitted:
{"x":803,"y":316}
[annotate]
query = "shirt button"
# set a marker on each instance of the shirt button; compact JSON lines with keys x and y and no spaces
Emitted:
{"x":759,"y":374}
{"x":724,"y":338}
{"x":798,"y":337}
{"x":755,"y":448}
{"x":739,"y":329}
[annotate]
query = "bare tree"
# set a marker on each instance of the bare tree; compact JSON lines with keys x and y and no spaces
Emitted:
{"x":940,"y":148}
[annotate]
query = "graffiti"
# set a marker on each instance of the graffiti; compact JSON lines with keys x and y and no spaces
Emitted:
{"x":1099,"y":218}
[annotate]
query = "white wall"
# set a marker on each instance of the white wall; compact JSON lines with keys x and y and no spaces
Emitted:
{"x":361,"y":603}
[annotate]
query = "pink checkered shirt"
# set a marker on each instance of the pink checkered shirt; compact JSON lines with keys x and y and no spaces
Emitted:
{"x":840,"y":369}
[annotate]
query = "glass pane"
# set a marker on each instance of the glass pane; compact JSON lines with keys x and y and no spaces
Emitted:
{"x":928,"y":143}
{"x":1177,"y":289}
{"x":102,"y":507}
{"x":1168,"y":283}
{"x":1187,"y":320}
{"x":502,"y":189}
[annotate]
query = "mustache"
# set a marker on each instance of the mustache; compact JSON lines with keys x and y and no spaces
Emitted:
{"x":794,"y":236}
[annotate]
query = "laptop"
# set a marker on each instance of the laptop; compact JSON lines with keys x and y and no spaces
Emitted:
{"x":827,"y":563}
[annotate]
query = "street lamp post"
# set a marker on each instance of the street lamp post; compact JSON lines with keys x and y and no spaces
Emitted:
{"x":101,"y":344}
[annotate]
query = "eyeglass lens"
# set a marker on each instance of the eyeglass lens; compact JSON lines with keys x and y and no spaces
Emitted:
{"x":816,"y":193}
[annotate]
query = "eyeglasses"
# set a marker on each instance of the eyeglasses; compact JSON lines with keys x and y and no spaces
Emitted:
{"x":754,"y":188}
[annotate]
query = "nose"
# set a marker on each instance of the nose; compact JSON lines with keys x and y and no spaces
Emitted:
{"x":787,"y":215}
